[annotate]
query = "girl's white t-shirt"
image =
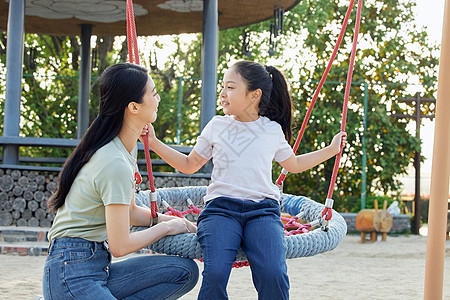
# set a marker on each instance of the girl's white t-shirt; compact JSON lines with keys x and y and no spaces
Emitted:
{"x":242,"y":154}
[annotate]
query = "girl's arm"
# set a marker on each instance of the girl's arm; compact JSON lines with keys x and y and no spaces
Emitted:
{"x":121,"y":241}
{"x":187,"y":164}
{"x":300,"y":163}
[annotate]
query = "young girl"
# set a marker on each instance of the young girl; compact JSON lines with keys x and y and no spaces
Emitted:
{"x":95,"y":203}
{"x":242,"y":204}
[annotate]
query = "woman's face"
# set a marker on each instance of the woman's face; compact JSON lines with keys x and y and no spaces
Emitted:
{"x":150,"y":101}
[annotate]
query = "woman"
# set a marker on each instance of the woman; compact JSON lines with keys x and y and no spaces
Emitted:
{"x":95,"y":202}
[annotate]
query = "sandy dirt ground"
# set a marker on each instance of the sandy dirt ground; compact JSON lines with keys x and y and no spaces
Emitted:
{"x":394,"y":269}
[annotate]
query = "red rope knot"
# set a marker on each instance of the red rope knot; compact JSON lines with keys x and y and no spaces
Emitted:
{"x":175,"y":212}
{"x":195,"y":209}
{"x":192,"y":207}
{"x":292,"y":222}
{"x":172,"y":211}
{"x":137,"y":181}
{"x":137,"y":177}
{"x":302,"y":228}
{"x":327,"y":212}
{"x":289,"y":222}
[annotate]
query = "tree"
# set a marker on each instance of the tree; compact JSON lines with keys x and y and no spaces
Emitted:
{"x":391,"y":52}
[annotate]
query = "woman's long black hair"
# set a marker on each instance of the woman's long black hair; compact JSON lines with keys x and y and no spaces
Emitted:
{"x":120,"y":84}
{"x":276,"y":102}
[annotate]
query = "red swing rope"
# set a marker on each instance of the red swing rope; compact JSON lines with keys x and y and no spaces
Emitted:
{"x":133,"y":53}
{"x":133,"y":56}
{"x":327,"y":211}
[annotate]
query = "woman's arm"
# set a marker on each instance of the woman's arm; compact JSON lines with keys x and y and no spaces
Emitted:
{"x":300,"y":163}
{"x":187,"y":164}
{"x":122,"y":242}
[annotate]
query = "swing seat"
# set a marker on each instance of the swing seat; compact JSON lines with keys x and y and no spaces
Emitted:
{"x":300,"y":245}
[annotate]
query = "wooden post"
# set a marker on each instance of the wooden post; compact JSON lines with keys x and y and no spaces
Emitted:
{"x":417,"y":116}
{"x":417,"y":168}
{"x":384,"y":234}
{"x":437,"y":218}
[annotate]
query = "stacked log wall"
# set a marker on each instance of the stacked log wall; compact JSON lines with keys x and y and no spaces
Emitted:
{"x":24,"y":195}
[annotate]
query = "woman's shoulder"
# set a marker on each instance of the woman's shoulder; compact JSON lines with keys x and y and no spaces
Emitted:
{"x":110,"y":149}
{"x":111,"y":169}
{"x":112,"y":155}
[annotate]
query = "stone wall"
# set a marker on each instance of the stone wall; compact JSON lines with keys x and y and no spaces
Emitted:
{"x":23,"y":194}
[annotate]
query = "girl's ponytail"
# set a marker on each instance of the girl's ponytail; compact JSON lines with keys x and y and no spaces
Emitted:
{"x":279,"y":106}
{"x":276,"y":102}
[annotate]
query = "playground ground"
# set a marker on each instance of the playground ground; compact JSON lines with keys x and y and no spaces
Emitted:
{"x":394,"y":269}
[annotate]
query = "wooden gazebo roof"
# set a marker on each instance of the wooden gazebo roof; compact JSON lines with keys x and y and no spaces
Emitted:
{"x":153,"y":17}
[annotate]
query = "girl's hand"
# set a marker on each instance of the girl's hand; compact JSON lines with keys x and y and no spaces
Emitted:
{"x":180,"y":225}
{"x":339,"y":140}
{"x":148,"y":129}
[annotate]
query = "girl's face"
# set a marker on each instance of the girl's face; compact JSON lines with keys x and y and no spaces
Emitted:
{"x":235,"y":98}
{"x":150,"y":101}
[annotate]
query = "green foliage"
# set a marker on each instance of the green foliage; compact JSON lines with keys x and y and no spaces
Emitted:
{"x":180,"y":71}
{"x":384,"y":60}
{"x":50,"y":91}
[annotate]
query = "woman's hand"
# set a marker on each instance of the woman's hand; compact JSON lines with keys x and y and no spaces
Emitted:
{"x":148,"y":129}
{"x":180,"y":225}
{"x":339,"y":140}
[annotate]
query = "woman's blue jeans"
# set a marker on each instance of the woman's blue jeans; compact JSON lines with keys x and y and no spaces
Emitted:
{"x":224,"y":226}
{"x":79,"y":269}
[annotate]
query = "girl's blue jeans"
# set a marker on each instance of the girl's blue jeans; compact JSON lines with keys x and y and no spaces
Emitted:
{"x":224,"y":226}
{"x":79,"y":269}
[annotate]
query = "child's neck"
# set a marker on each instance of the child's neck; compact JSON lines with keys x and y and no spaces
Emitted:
{"x":246,"y":117}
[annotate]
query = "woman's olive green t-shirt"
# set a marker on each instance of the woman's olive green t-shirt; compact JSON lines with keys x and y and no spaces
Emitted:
{"x":108,"y":178}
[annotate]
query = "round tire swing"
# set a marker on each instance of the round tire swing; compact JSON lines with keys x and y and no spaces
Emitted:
{"x":301,"y":242}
